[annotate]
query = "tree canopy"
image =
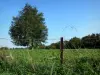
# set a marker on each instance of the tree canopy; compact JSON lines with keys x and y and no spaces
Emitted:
{"x":91,"y":41}
{"x":28,"y":27}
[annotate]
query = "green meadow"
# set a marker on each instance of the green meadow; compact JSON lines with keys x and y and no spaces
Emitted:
{"x":47,"y":62}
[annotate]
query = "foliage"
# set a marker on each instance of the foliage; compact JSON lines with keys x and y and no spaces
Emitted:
{"x":74,"y":43}
{"x":54,"y":46}
{"x":89,"y":41}
{"x":28,"y":28}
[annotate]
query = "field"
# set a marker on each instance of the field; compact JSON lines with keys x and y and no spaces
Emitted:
{"x":47,"y":62}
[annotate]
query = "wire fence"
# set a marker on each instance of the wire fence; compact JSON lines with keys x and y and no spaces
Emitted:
{"x":4,"y":42}
{"x":55,"y":43}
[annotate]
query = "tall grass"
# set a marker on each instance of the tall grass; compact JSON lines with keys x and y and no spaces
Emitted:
{"x":47,"y":62}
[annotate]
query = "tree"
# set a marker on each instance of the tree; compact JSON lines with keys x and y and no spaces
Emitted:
{"x":98,"y":40}
{"x":28,"y":28}
{"x":52,"y":46}
{"x":57,"y":45}
{"x":91,"y":41}
{"x":74,"y":43}
{"x":66,"y":44}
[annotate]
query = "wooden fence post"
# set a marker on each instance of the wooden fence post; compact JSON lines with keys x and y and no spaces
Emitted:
{"x":61,"y":50}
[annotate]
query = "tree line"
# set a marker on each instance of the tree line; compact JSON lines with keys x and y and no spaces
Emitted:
{"x":89,"y":41}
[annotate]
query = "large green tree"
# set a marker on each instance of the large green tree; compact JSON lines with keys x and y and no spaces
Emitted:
{"x":28,"y":28}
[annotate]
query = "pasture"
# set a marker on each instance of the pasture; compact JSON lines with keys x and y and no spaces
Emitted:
{"x":47,"y":62}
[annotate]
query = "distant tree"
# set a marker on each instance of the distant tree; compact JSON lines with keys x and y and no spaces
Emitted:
{"x":4,"y":48}
{"x":57,"y":45}
{"x":74,"y":43}
{"x":66,"y":45}
{"x":91,"y":41}
{"x":53,"y":46}
{"x":42,"y":46}
{"x":97,"y":40}
{"x":28,"y":28}
{"x":85,"y":41}
{"x":47,"y":47}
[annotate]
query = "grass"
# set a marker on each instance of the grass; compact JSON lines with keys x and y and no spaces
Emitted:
{"x":46,"y":62}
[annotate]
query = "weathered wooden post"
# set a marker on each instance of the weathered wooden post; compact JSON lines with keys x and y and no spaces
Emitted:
{"x":61,"y":50}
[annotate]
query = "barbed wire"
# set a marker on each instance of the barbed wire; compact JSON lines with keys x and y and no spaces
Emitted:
{"x":69,"y":26}
{"x":4,"y":39}
{"x":50,"y":39}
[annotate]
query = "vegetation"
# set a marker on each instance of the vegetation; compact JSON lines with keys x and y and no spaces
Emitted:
{"x":4,"y":48}
{"x":90,"y":41}
{"x":28,"y":27}
{"x":46,"y":62}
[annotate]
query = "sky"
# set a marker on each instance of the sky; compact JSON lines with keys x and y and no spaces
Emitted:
{"x":63,"y":18}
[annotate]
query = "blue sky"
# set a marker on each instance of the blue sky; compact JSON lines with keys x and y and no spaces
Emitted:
{"x":60,"y":16}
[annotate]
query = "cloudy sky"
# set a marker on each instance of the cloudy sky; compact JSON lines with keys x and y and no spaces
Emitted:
{"x":67,"y":18}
